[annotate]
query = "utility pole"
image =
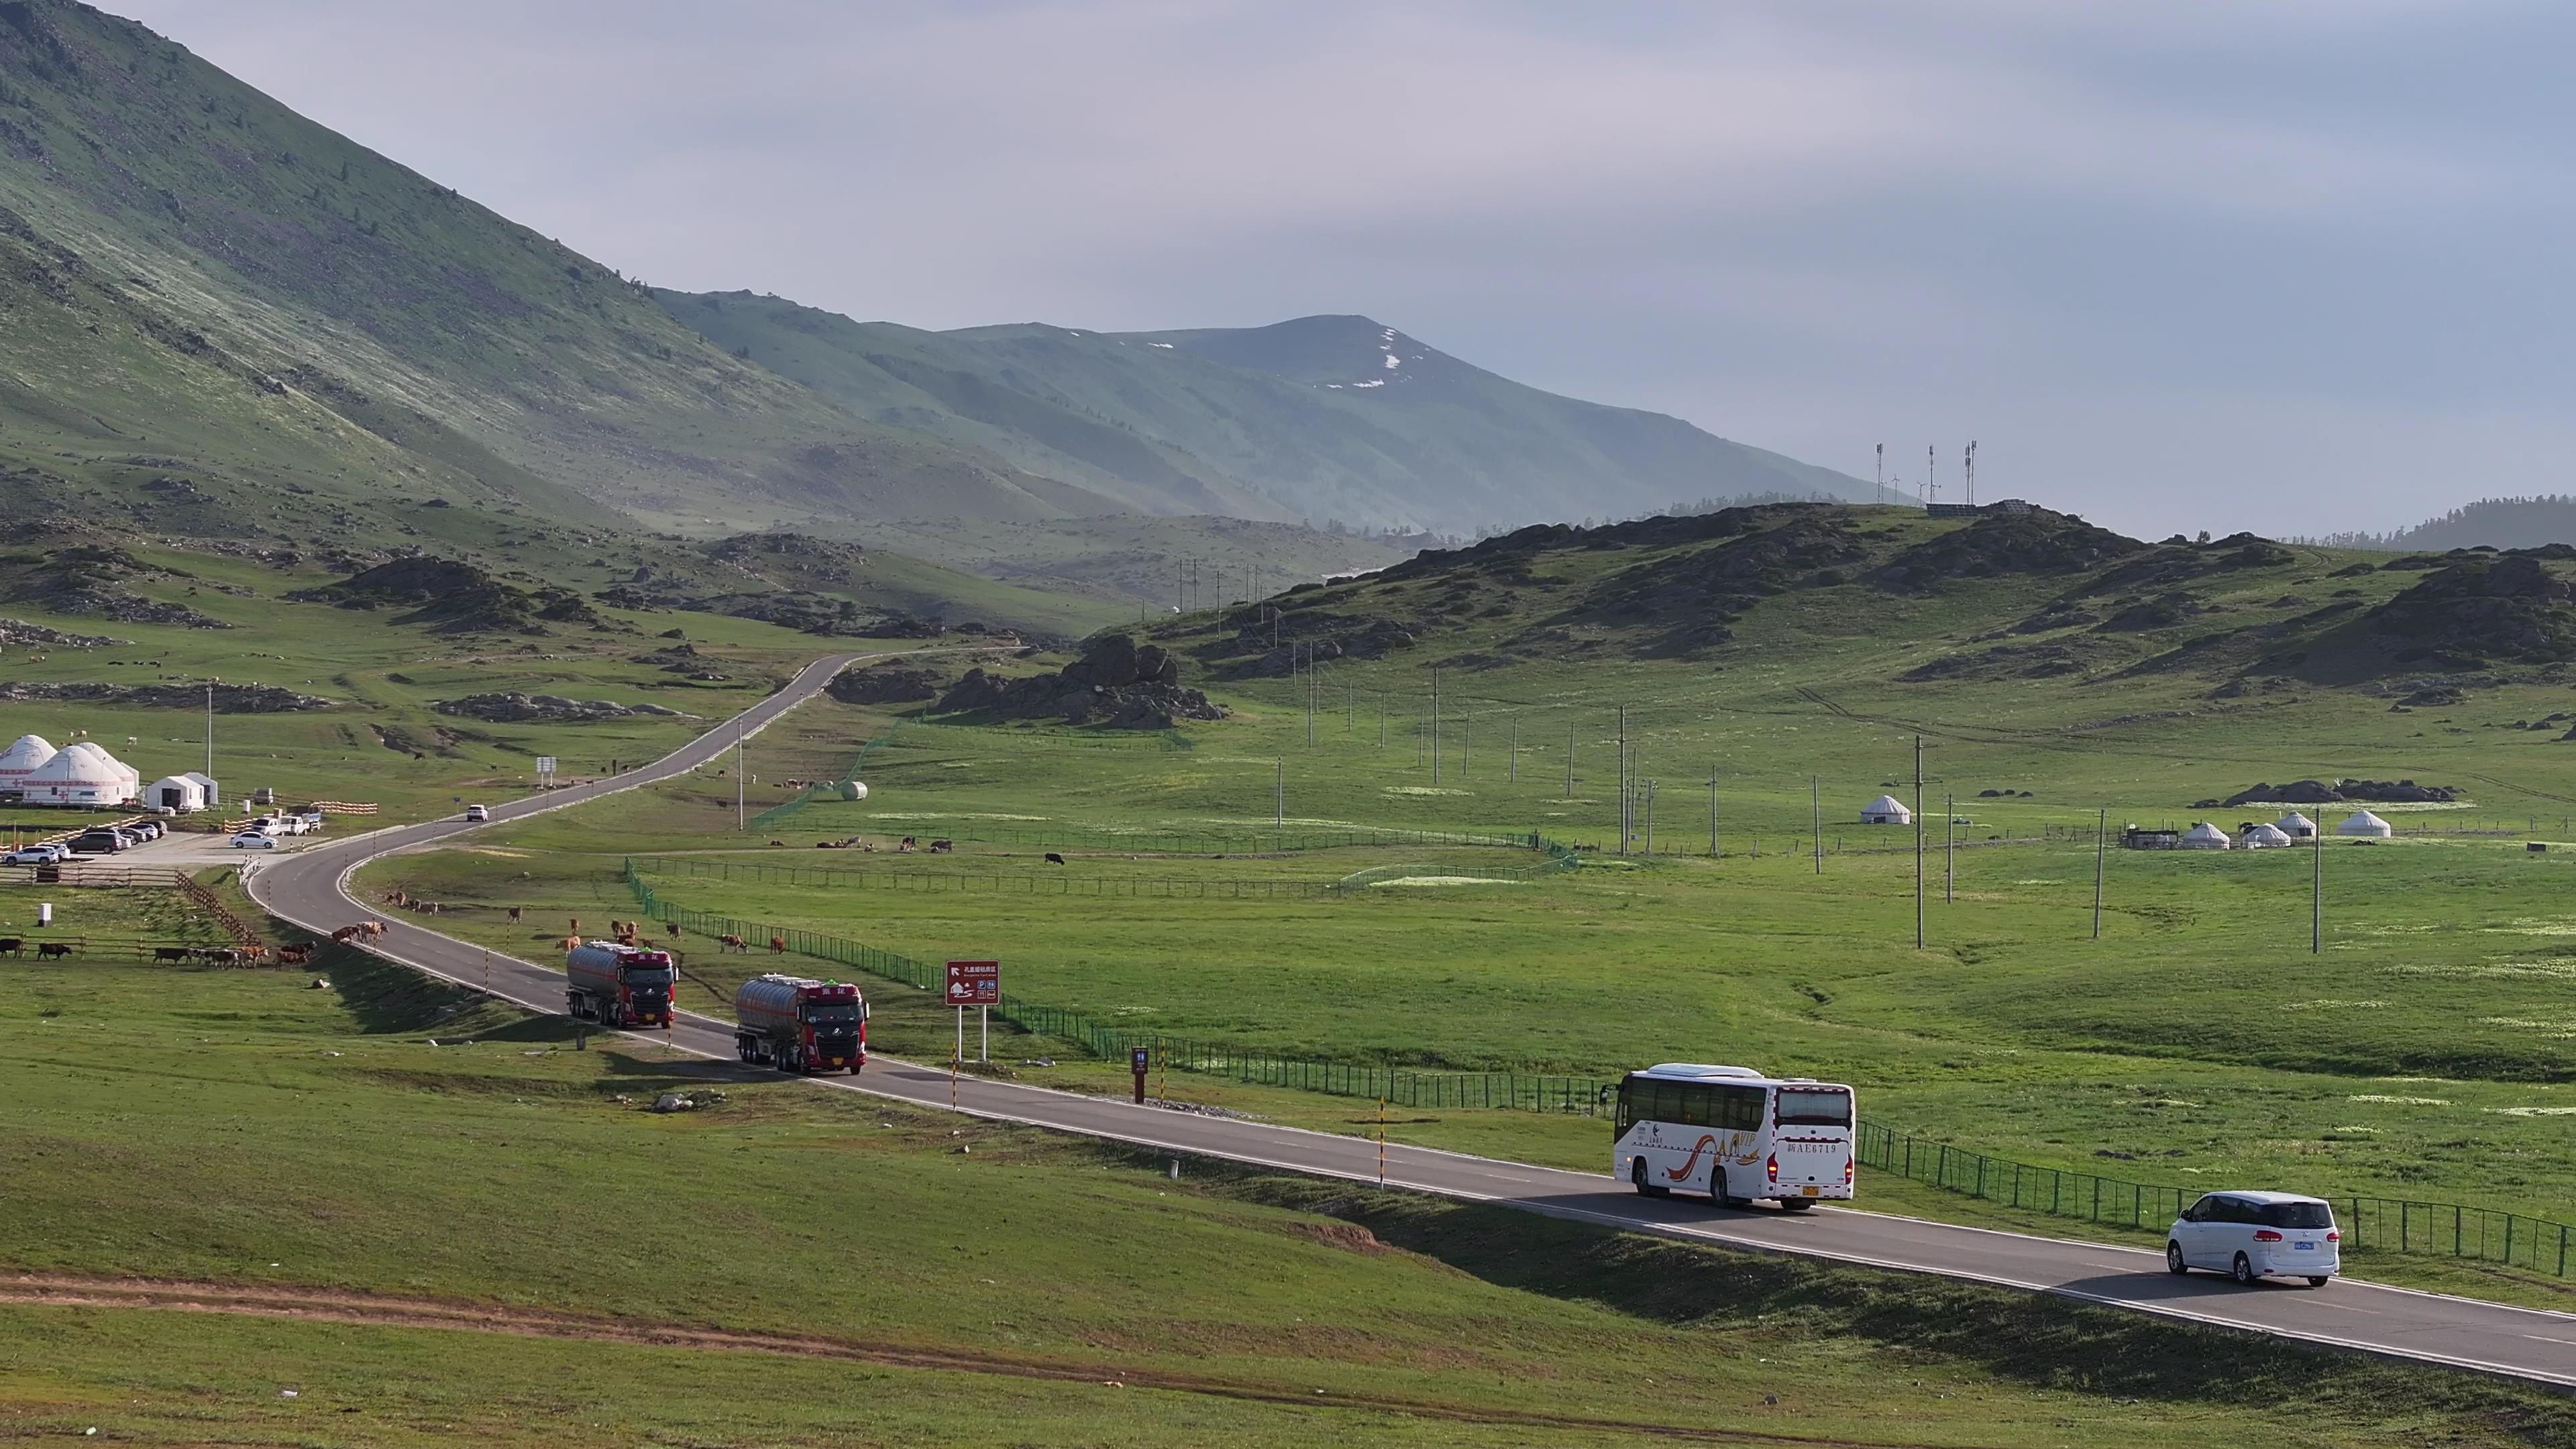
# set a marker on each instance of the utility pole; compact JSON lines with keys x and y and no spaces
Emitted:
{"x":741,"y":819}
{"x":1712,"y":812}
{"x":1466,"y":747}
{"x":1623,"y":779}
{"x":2317,"y":898}
{"x":1435,"y":724}
{"x":1516,"y":750}
{"x":1279,"y":778}
{"x":1650,"y":818}
{"x":2101,"y":827}
{"x":210,"y":729}
{"x":1949,"y":852}
{"x":1816,"y":818}
{"x":1918,"y":842}
{"x":1381,"y":724}
{"x":1569,"y":762}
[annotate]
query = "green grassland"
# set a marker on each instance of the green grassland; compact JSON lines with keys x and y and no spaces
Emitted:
{"x":200,"y":1126}
{"x":2423,"y":1054}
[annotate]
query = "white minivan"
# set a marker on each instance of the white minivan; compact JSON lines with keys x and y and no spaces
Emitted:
{"x":2250,"y":1235}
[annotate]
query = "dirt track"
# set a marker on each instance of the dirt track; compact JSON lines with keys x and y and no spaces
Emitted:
{"x":319,"y":1305}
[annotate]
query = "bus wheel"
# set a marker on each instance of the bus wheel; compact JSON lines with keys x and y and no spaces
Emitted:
{"x":1717,"y":1192}
{"x":1795,"y":1204}
{"x":1637,"y":1175}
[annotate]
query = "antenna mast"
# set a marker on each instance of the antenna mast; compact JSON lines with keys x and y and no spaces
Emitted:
{"x":1971,"y":461}
{"x":1931,"y":466}
{"x":1882,"y":469}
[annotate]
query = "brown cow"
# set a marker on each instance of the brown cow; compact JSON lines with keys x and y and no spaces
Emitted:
{"x":576,"y":925}
{"x":778,"y":945}
{"x":731,"y":943}
{"x":675,"y":930}
{"x":296,"y":954}
{"x":571,"y":942}
{"x":514,"y":915}
{"x":347,"y":933}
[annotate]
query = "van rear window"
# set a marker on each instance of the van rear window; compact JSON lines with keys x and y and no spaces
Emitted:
{"x":2295,"y":1215}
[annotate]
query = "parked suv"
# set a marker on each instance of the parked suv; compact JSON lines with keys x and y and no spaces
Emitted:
{"x":2249,"y":1235}
{"x":99,"y":842}
{"x":35,"y":855}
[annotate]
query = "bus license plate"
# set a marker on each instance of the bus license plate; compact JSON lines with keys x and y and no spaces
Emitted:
{"x":1813,"y":1190}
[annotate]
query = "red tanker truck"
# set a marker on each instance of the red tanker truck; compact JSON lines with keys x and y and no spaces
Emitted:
{"x":621,"y":986}
{"x":801,"y":1025}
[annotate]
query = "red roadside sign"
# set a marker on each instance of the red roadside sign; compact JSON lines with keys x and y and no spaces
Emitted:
{"x":974,"y":983}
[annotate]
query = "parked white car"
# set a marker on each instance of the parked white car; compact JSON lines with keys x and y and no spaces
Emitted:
{"x":254,"y":840}
{"x":2250,"y":1235}
{"x":477,"y":814}
{"x":36,"y":855}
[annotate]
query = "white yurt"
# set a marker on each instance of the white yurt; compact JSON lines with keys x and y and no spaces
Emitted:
{"x":2261,"y":837}
{"x":2365,"y":824}
{"x":82,"y":774}
{"x":1886,"y":810}
{"x":176,"y":792}
{"x":206,"y":782}
{"x":2298,"y":826}
{"x":22,"y":759}
{"x":2205,"y":836}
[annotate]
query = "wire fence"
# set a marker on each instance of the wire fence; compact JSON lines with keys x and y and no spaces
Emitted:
{"x":789,"y":809}
{"x":1250,"y":841}
{"x":1054,"y":881}
{"x":2369,"y":1224}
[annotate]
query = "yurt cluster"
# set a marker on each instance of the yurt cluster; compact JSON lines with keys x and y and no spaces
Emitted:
{"x":2291,"y":829}
{"x":84,"y":776}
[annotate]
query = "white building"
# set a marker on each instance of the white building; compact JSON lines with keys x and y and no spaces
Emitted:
{"x":2205,"y":836}
{"x":2261,"y":837}
{"x":21,"y":759}
{"x":1886,"y":810}
{"x":2365,"y":824}
{"x":81,"y":775}
{"x":176,"y":792}
{"x":206,"y":782}
{"x":2298,"y":826}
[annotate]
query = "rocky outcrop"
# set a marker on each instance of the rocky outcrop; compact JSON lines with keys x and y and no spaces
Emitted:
{"x":454,"y":597}
{"x":229,"y":698}
{"x":2509,"y":607}
{"x":1116,"y":683}
{"x":515,"y":708}
{"x":93,"y":581}
{"x":884,"y":684}
{"x":2041,"y":541}
{"x":19,"y":631}
{"x":2342,"y":792}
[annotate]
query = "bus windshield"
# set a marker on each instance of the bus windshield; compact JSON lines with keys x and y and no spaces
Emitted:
{"x":1814,"y":1107}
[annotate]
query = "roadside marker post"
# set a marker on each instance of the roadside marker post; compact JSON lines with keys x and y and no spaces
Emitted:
{"x":1140,"y":1060}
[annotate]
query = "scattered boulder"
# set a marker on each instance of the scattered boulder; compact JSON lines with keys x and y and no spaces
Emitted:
{"x":2340,"y":792}
{"x":516,"y":708}
{"x":94,"y":581}
{"x":229,"y":698}
{"x":2040,"y":541}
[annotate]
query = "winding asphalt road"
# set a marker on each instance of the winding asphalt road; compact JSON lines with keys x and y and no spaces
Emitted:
{"x":308,"y":887}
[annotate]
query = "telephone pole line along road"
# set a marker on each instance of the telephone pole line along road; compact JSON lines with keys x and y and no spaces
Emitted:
{"x":309,"y":888}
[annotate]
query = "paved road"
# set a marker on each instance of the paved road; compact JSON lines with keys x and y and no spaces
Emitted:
{"x":306,"y":888}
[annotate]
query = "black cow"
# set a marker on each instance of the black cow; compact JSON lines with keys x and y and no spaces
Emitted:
{"x":51,"y":950}
{"x":1054,"y":859}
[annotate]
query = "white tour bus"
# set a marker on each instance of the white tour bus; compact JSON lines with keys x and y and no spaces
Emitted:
{"x":1734,"y":1134}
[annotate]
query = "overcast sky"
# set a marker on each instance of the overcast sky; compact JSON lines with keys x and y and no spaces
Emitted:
{"x":2289,"y":265}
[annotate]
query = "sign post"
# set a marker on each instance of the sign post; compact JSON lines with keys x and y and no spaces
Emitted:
{"x":977,"y":984}
{"x":1140,"y":1060}
{"x":545,"y":772}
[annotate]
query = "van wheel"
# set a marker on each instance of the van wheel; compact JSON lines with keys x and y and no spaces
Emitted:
{"x":2243,"y":1269}
{"x":2317,"y":1282}
{"x":2173,"y":1260}
{"x":1637,"y":1176}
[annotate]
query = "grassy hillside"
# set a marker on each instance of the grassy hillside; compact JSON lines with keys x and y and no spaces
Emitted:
{"x":200,"y":282}
{"x":1302,"y":420}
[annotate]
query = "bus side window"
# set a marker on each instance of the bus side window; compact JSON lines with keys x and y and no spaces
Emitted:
{"x":1691,"y":1110}
{"x":1744,"y":1108}
{"x":1627,"y":1106}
